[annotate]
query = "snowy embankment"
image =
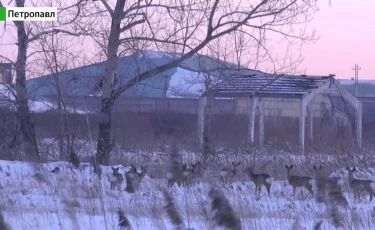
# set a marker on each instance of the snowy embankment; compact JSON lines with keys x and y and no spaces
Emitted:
{"x":33,"y":197}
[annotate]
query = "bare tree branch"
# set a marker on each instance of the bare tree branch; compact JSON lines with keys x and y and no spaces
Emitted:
{"x":184,"y":29}
{"x":109,"y":9}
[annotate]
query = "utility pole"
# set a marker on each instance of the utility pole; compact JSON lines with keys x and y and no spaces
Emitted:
{"x":356,"y":70}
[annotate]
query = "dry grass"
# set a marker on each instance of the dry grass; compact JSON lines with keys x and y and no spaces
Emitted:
{"x":227,"y":131}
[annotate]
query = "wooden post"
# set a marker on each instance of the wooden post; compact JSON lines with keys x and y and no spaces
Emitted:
{"x":201,"y":119}
{"x":252,"y":107}
{"x":261,"y":122}
{"x":302,"y":125}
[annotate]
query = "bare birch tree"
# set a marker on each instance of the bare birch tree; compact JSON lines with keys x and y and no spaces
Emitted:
{"x":28,"y":33}
{"x":186,"y":28}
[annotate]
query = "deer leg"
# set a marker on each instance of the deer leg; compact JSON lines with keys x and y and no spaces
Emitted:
{"x":170,"y":183}
{"x":294,"y":191}
{"x":257,"y":192}
{"x":268,"y":187}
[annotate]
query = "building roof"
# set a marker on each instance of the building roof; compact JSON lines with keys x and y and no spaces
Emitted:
{"x":271,"y":85}
{"x":184,"y":81}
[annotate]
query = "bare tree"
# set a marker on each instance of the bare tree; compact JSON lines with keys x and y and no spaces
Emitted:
{"x":186,"y":28}
{"x":56,"y":57}
{"x":26,"y":34}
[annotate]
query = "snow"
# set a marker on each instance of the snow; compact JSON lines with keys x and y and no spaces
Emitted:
{"x":35,"y":105}
{"x":32,"y":197}
{"x":185,"y":83}
{"x":40,"y":106}
{"x":6,"y":92}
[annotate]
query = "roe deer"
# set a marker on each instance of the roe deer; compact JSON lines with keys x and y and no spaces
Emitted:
{"x":134,"y":179}
{"x":197,"y":171}
{"x":196,"y":168}
{"x":299,"y":181}
{"x":180,"y":176}
{"x":329,"y":189}
{"x":139,"y":177}
{"x":115,"y":179}
{"x":130,"y":177}
{"x":330,"y":180}
{"x":226,"y":175}
{"x":259,"y":180}
{"x":359,"y":186}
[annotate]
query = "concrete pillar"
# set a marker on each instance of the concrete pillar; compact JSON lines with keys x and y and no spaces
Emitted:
{"x":311,"y":123}
{"x":302,"y":125}
{"x":358,"y":119}
{"x":261,"y":122}
{"x":252,"y":107}
{"x":202,"y":104}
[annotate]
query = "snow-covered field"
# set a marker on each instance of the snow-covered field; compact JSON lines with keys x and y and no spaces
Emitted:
{"x":33,"y":197}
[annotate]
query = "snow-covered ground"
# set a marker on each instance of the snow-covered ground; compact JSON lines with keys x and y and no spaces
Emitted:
{"x":40,"y":106}
{"x":32,"y":197}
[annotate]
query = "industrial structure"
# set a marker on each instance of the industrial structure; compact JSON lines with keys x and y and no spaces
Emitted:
{"x":298,"y":93}
{"x":184,"y":90}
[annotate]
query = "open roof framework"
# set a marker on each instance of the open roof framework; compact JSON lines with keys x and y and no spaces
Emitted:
{"x":257,"y":87}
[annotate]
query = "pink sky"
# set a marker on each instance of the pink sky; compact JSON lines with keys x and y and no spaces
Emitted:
{"x":347,"y":30}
